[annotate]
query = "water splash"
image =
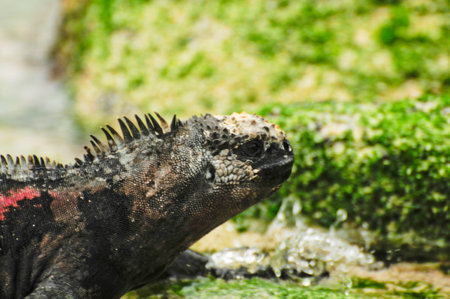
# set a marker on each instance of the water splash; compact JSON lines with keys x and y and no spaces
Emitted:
{"x":300,"y":251}
{"x":239,"y":262}
{"x":316,"y":252}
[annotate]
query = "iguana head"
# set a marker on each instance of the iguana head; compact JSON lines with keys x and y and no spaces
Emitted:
{"x":225,"y":164}
{"x":247,"y":158}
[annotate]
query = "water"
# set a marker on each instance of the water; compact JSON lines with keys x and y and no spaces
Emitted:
{"x":35,"y":111}
{"x":300,"y":250}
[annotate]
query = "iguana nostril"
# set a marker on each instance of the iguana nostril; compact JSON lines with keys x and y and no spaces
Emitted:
{"x":286,"y":145}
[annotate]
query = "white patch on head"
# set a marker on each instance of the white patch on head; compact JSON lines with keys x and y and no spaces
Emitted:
{"x":251,"y":125}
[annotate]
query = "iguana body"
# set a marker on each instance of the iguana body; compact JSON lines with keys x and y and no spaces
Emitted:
{"x":116,"y":220}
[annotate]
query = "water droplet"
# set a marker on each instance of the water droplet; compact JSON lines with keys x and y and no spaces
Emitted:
{"x":341,"y":215}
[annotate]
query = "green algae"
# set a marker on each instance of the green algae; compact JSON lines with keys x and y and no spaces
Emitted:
{"x":190,"y":57}
{"x":377,"y":167}
{"x":261,"y":288}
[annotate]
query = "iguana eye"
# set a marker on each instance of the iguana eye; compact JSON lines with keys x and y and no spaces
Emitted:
{"x":254,"y":148}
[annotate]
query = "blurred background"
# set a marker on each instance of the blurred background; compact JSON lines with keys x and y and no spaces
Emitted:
{"x":361,"y":87}
{"x":117,"y":57}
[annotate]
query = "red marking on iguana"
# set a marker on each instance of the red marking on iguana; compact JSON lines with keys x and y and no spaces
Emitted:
{"x":14,"y":197}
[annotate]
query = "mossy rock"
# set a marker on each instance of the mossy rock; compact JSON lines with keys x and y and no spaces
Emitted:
{"x":382,"y":167}
{"x":361,"y":288}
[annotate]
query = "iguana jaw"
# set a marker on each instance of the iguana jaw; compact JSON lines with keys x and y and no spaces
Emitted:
{"x":276,"y":168}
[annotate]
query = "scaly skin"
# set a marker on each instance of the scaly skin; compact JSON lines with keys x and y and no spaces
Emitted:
{"x":118,"y":219}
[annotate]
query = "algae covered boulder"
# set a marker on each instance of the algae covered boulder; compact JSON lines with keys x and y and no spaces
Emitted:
{"x":383,"y":168}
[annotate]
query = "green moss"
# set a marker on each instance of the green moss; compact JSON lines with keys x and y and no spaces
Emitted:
{"x":392,"y":31}
{"x":363,"y":283}
{"x":261,"y":288}
{"x":172,"y":55}
{"x":386,"y":165}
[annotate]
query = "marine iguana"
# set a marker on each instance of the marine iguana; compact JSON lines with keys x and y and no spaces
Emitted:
{"x":119,"y":218}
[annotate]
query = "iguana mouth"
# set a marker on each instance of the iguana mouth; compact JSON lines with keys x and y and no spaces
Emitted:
{"x":277,"y":166}
{"x":278,"y":171}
